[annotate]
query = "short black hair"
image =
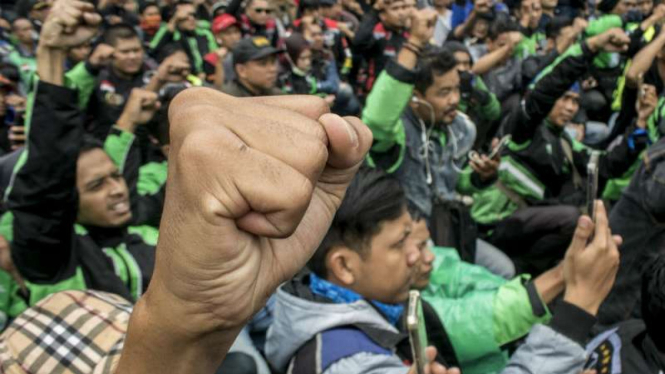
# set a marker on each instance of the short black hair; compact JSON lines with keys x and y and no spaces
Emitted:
{"x":90,"y":143}
{"x":500,"y":26}
{"x":145,"y":5}
{"x":373,"y":198}
{"x":169,"y":50}
{"x":653,"y":301}
{"x":454,"y":46}
{"x":554,"y":27}
{"x":119,"y":31}
{"x":434,"y":61}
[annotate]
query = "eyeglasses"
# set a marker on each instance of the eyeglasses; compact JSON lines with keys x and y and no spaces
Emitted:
{"x":263,"y":10}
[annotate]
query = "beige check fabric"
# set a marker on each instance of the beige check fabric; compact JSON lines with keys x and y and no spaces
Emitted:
{"x":70,"y":332}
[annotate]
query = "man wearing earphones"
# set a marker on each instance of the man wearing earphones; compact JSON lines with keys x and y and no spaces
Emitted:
{"x":419,"y":135}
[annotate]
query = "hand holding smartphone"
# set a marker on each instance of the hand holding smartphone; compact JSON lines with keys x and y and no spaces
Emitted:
{"x":417,"y":331}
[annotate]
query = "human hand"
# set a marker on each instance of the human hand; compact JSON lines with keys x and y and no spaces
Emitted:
{"x":579,"y":24}
{"x":379,"y":5}
{"x":17,"y":137}
{"x":647,"y":101}
{"x":15,"y":101}
{"x":139,"y":110}
{"x":422,"y":26}
{"x":222,"y":52}
{"x":69,"y":23}
{"x":515,"y":37}
{"x":433,"y":367}
{"x":232,"y":234}
{"x":174,"y":68}
{"x":658,"y":12}
{"x":485,"y":167}
{"x":612,"y":40}
{"x":590,"y":269}
{"x":101,"y":56}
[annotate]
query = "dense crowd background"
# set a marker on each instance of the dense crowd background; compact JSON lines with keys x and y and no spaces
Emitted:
{"x":486,"y":116}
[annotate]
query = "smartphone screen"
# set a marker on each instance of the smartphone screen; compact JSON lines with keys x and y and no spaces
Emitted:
{"x":417,"y":331}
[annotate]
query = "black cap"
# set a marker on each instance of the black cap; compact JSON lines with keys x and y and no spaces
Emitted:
{"x":251,"y":49}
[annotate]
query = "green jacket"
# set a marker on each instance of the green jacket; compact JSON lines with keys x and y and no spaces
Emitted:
{"x":388,"y":115}
{"x":481,"y":311}
{"x":196,"y":45}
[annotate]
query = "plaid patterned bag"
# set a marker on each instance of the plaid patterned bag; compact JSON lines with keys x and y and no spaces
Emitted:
{"x":70,"y":332}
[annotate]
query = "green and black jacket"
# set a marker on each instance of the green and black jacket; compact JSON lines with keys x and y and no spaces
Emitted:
{"x":49,"y":249}
{"x":535,"y":165}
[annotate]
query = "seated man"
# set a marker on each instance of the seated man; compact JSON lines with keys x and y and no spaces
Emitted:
{"x":69,"y":210}
{"x":637,"y":345}
{"x":531,"y":212}
{"x":348,"y":310}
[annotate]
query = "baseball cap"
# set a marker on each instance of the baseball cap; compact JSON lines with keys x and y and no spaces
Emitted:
{"x":251,"y":49}
{"x":223,"y":22}
{"x":219,"y":6}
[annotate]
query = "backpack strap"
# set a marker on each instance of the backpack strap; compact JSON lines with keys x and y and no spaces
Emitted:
{"x":330,"y":346}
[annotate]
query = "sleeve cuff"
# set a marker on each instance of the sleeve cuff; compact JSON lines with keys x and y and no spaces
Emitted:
{"x":573,"y":322}
{"x":401,"y":73}
{"x":537,"y":306}
{"x":91,"y":69}
{"x":586,"y":51}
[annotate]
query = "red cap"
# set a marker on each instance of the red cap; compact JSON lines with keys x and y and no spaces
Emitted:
{"x":223,"y":22}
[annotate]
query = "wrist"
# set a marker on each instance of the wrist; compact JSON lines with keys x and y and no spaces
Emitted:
{"x":582,"y":300}
{"x":126,"y":124}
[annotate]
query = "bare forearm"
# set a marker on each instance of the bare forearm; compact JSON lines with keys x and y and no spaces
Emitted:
{"x":643,"y":60}
{"x":407,"y":58}
{"x":51,"y":65}
{"x":155,"y":344}
{"x":461,"y":30}
{"x":550,"y":284}
{"x":490,"y":60}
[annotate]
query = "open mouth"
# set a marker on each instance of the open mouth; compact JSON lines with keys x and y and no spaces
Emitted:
{"x":120,"y":207}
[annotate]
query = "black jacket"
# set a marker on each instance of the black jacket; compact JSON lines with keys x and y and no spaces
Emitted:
{"x":626,"y":348}
{"x":537,"y":144}
{"x":47,"y":247}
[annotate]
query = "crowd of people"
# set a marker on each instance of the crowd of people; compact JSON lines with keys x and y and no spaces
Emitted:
{"x":254,"y":187}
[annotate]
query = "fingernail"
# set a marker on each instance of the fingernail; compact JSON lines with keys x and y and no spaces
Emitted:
{"x":352,"y":133}
{"x":585,"y":224}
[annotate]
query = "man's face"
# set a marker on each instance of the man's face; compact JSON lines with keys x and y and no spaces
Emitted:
{"x":229,"y":37}
{"x":443,"y":95}
{"x":480,"y":29}
{"x":396,"y":14}
{"x":463,"y":61}
{"x":501,"y":40}
{"x":536,"y":14}
{"x":421,"y":238}
{"x":304,"y":62}
{"x":128,"y":56}
{"x":151,"y":11}
{"x":79,"y":53}
{"x":259,"y":12}
{"x":314,"y":35}
{"x":103,"y":194}
{"x":565,"y":109}
{"x":645,"y":6}
{"x":384,"y":274}
{"x":189,"y":23}
{"x":259,"y":74}
{"x":23,"y":30}
{"x":625,"y":6}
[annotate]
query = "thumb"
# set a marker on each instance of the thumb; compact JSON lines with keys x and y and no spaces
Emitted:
{"x":582,"y":234}
{"x":92,"y":19}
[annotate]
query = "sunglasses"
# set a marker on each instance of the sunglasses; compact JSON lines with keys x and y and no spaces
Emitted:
{"x":263,"y":10}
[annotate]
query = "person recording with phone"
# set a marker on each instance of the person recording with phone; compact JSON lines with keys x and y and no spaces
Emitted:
{"x":531,"y":211}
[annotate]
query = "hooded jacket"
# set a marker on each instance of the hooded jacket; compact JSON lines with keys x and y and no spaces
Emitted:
{"x":302,"y":317}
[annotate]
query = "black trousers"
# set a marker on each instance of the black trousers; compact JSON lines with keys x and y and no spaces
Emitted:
{"x":536,"y":238}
